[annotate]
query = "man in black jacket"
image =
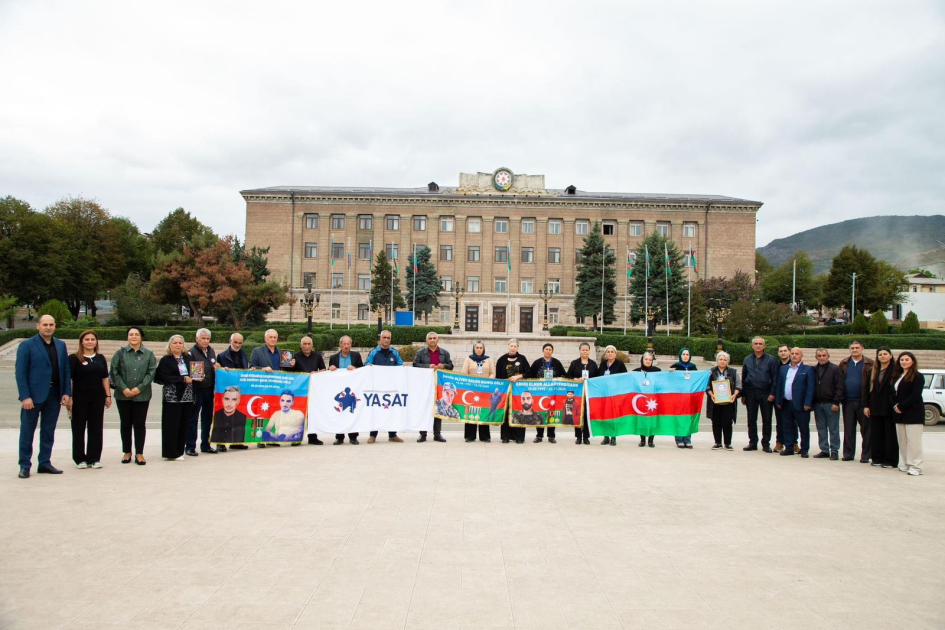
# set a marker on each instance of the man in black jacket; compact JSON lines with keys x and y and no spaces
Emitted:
{"x":827,"y":398}
{"x":345,"y":359}
{"x":759,"y":382}
{"x":307,"y":360}
{"x":437,"y":358}
{"x":203,"y":395}
{"x":233,"y":358}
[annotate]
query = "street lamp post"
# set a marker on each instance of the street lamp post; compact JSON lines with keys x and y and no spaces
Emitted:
{"x":457,"y":293}
{"x":545,"y":295}
{"x":309,"y":303}
{"x":719,"y":309}
{"x":652,"y":312}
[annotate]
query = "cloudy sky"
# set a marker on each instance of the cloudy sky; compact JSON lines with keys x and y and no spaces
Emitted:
{"x":823,"y":110}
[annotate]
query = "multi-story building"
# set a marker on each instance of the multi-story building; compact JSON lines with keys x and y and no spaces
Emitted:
{"x":472,"y":230}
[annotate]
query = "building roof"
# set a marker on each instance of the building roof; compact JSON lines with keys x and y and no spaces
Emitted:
{"x":920,"y":279}
{"x":451,"y":193}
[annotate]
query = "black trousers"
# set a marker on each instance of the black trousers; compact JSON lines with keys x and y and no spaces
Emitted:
{"x":202,"y":410}
{"x":853,"y":415}
{"x":757,"y":400}
{"x":390,"y":434}
{"x":884,"y":443}
{"x":541,"y":432}
{"x":437,"y":427}
{"x":507,"y":432}
{"x":723,"y":417}
{"x":88,"y":415}
{"x":341,"y":436}
{"x":470,"y":432}
{"x":175,"y":421}
{"x":133,"y":415}
{"x":583,"y":431}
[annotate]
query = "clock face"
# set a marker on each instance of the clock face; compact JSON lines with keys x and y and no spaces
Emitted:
{"x":502,"y":179}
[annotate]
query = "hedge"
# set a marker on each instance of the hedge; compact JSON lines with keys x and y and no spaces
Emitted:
{"x":698,"y":346}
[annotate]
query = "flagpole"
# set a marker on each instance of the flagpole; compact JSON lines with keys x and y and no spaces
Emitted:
{"x":331,"y":286}
{"x":646,"y":291}
{"x":603,"y":263}
{"x":689,"y":298}
{"x":391,"y":318}
{"x":666,"y":256}
{"x":414,"y":284}
{"x":348,"y":282}
{"x":508,"y":287}
{"x":627,"y":294}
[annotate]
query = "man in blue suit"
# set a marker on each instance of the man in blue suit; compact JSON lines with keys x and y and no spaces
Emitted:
{"x":795,"y":398}
{"x":43,"y":383}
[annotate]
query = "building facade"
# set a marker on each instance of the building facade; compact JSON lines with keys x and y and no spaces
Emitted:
{"x":472,"y":230}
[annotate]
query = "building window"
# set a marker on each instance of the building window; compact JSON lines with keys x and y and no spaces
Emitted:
{"x":338,"y":251}
{"x":446,"y":282}
{"x":472,"y":284}
{"x":311,"y":221}
{"x":337,"y":221}
{"x":444,"y":314}
{"x":337,"y":280}
{"x":554,"y":226}
{"x":336,"y":310}
{"x":474,"y":225}
{"x":365,"y":222}
{"x":554,"y":285}
{"x":528,"y":285}
{"x":499,"y":285}
{"x":308,"y":280}
{"x":311,"y":250}
{"x":528,"y":226}
{"x":364,"y":282}
{"x":636,"y":228}
{"x":528,"y":254}
{"x":501,"y":254}
{"x":662,"y":229}
{"x":419,"y":224}
{"x":446,"y":252}
{"x":364,"y":251}
{"x":553,"y":317}
{"x":501,"y":226}
{"x":472,"y":253}
{"x":364,"y":312}
{"x":581,"y":228}
{"x":446,"y":224}
{"x":391,"y":249}
{"x":393,"y":222}
{"x":578,"y":256}
{"x":554,"y":255}
{"x":689,"y":230}
{"x":610,"y":228}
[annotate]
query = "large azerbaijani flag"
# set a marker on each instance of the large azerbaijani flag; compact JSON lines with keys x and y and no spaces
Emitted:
{"x":654,"y":403}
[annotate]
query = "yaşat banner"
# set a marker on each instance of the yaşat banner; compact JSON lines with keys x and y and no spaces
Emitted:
{"x":250,"y":406}
{"x":639,"y":403}
{"x":546,"y":403}
{"x":374,"y":398}
{"x":470,"y":399}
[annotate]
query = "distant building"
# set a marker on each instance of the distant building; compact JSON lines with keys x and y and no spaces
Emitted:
{"x":472,"y":229}
{"x":926,"y":298}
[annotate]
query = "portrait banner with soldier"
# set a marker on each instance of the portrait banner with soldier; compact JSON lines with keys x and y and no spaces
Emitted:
{"x":557,"y":402}
{"x":470,"y":399}
{"x":254,"y":407}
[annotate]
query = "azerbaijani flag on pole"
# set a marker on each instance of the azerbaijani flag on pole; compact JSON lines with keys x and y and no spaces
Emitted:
{"x":667,"y":404}
{"x":629,"y":264}
{"x":669,"y":270}
{"x":332,"y":254}
{"x":692,"y":260}
{"x":647,"y":251}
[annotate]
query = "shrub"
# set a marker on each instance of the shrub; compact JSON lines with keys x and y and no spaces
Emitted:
{"x":58,"y":310}
{"x":860,"y":327}
{"x":910,"y":325}
{"x":878,"y":324}
{"x":408,"y":353}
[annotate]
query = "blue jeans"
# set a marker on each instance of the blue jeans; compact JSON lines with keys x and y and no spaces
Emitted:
{"x":203,"y":408}
{"x":795,"y":422}
{"x":828,"y":427}
{"x":49,"y":410}
{"x":683,"y":439}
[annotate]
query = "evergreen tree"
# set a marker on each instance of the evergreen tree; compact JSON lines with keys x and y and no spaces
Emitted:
{"x":910,"y":325}
{"x":381,"y":276}
{"x":860,"y":327}
{"x":428,"y":285}
{"x":587,"y":301}
{"x":655,"y":244}
{"x":879,"y":325}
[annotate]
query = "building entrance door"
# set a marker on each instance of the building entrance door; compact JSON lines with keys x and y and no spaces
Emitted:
{"x":472,"y":318}
{"x":525,"y":319}
{"x":498,"y":319}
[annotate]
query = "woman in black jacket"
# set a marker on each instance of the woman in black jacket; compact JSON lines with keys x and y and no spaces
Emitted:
{"x":583,"y":368}
{"x":908,"y":412}
{"x":646,"y":365}
{"x":878,"y":408}
{"x":547,"y":367}
{"x":511,"y":366}
{"x":90,"y":398}
{"x":173,"y":372}
{"x":610,"y":364}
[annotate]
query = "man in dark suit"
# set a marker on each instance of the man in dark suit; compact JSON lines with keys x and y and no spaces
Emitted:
{"x":229,"y":424}
{"x":43,"y":383}
{"x":433,"y":356}
{"x":345,"y":359}
{"x":268,"y":358}
{"x":795,"y":397}
{"x":307,"y":360}
{"x":233,"y":358}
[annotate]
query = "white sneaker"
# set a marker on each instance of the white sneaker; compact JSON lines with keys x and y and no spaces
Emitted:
{"x":915,"y":472}
{"x":95,"y":465}
{"x":81,"y":465}
{"x":903,"y":469}
{"x":179,"y":459}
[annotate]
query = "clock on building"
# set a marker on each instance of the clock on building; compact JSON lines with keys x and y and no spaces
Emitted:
{"x":502,"y":179}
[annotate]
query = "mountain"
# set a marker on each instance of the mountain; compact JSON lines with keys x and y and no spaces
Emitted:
{"x":905,"y":242}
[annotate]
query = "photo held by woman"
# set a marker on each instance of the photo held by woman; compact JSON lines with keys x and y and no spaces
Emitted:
{"x":173,"y":372}
{"x":725,"y":384}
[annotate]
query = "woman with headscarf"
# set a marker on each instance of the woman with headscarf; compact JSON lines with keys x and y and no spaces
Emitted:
{"x":610,"y":364}
{"x":582,"y":368}
{"x":684,"y":363}
{"x":478,"y":364}
{"x":646,"y":365}
{"x":722,"y":415}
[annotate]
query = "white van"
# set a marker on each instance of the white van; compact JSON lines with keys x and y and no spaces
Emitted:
{"x":933,"y":396}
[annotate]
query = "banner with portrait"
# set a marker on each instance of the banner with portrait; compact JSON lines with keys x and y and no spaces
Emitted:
{"x":373,"y":398}
{"x":557,"y":402}
{"x":255,"y":407}
{"x":470,"y":399}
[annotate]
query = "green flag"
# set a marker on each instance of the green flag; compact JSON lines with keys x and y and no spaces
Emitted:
{"x":669,"y":270}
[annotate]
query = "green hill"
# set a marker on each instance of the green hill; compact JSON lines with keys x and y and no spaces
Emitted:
{"x":905,"y":242}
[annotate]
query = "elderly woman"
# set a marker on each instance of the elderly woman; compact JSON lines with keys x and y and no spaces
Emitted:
{"x":90,"y":397}
{"x":547,"y":367}
{"x":132,"y":372}
{"x":683,"y":363}
{"x":647,"y":365}
{"x":582,"y":368}
{"x":173,"y":372}
{"x":478,"y":364}
{"x":511,"y":366}
{"x":722,"y":414}
{"x":610,"y":364}
{"x":908,"y":412}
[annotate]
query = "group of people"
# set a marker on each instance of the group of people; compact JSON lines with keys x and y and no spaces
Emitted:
{"x":882,"y":397}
